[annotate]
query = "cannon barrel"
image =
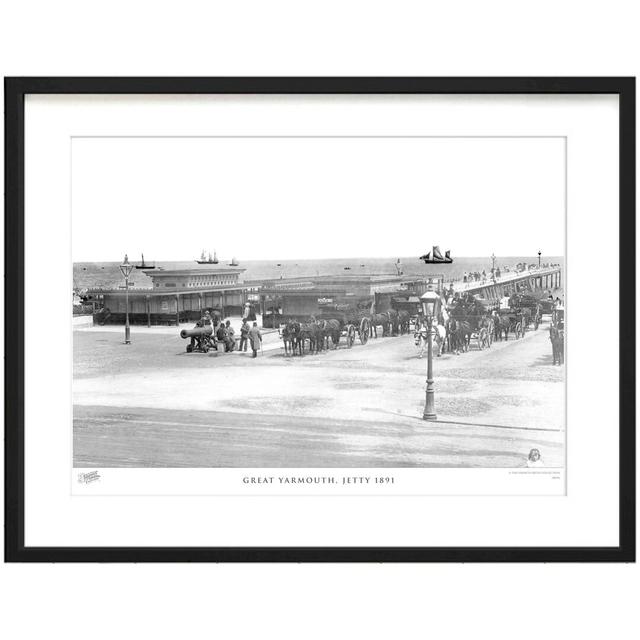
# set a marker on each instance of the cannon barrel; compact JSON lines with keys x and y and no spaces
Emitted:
{"x":197,"y":332}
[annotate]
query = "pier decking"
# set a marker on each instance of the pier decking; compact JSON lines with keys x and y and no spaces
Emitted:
{"x":494,"y":289}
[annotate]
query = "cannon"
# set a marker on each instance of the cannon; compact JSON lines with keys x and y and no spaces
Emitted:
{"x":196,"y":332}
{"x":202,"y":339}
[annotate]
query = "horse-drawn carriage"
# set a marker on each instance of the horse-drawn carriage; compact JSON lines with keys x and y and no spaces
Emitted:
{"x":328,"y":327}
{"x":409,"y":309}
{"x":469,"y":321}
{"x":507,"y":321}
{"x":351,"y":321}
{"x":529,"y":306}
{"x":547,"y":305}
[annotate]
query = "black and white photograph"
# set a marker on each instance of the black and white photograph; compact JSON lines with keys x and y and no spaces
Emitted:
{"x":319,"y":302}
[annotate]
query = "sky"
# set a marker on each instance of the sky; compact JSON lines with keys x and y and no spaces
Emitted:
{"x":329,"y":197}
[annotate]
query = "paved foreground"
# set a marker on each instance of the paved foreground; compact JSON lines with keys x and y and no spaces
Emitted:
{"x":151,"y":404}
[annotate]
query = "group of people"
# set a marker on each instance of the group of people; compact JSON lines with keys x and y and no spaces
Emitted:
{"x":250,"y":335}
{"x":481,"y":276}
{"x":225,"y":333}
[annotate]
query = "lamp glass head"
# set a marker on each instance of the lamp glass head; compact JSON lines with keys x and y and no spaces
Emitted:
{"x":126,"y":267}
{"x":430,"y":303}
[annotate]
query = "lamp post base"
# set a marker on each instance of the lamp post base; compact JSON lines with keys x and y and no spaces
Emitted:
{"x":127,"y":335}
{"x":429,"y":416}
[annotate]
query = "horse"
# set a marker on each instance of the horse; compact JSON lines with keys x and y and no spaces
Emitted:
{"x":288,"y":338}
{"x":330,"y":329}
{"x":303,"y":331}
{"x":376,"y":320}
{"x":439,"y":334}
{"x":556,"y":335}
{"x":500,"y":325}
{"x":404,"y":320}
{"x":459,"y":334}
{"x":394,"y":322}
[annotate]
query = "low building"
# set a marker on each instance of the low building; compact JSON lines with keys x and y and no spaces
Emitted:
{"x":170,"y":296}
{"x":300,"y":298}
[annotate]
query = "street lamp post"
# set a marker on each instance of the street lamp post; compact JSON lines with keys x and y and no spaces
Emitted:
{"x":126,"y":269}
{"x":430,"y":308}
{"x":539,"y":254}
{"x":493,"y":262}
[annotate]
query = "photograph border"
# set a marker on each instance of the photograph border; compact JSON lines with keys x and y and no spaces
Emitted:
{"x":15,"y":91}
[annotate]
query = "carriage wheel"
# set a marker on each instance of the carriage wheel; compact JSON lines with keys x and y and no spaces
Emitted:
{"x":364,"y":331}
{"x":351,"y":335}
{"x":519,"y":331}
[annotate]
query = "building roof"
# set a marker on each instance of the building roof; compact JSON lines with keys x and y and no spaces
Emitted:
{"x":108,"y":277}
{"x":331,"y":285}
{"x":197,"y":269}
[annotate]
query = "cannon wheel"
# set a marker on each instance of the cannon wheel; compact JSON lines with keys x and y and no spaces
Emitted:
{"x":351,"y":335}
{"x":364,"y":331}
{"x":189,"y":348}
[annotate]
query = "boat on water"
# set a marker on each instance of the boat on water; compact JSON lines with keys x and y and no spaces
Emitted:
{"x":144,"y":265}
{"x":437,"y":258}
{"x":204,"y":259}
{"x":234,"y":262}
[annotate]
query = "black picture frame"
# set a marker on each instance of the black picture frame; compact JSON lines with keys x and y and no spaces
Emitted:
{"x":15,"y":91}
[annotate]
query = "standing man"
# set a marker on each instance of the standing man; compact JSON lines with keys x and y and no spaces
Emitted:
{"x":221,"y":333}
{"x":244,"y":335}
{"x":256,"y":339}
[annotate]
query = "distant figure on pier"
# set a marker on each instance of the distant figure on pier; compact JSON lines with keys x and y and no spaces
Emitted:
{"x":464,"y":277}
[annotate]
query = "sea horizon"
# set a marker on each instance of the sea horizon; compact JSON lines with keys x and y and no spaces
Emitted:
{"x":87,"y":274}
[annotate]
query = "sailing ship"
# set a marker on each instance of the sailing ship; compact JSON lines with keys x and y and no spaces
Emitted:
{"x":144,"y":265}
{"x":208,"y":259}
{"x":437,"y":258}
{"x":234,"y":262}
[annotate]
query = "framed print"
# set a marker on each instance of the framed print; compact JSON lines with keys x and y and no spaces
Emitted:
{"x":320,"y":319}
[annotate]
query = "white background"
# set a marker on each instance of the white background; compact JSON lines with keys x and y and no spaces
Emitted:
{"x":365,"y":38}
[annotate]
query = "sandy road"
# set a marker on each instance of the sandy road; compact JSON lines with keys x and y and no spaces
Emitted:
{"x":152,"y":405}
